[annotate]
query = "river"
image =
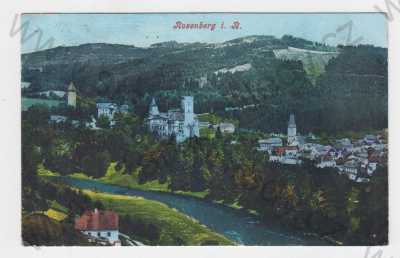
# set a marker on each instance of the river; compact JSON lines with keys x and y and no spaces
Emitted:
{"x":237,"y":225}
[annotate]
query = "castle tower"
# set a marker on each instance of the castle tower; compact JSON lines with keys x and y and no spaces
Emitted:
{"x":187,"y":108}
{"x":71,"y":98}
{"x":191,"y":127}
{"x":153,"y":111}
{"x":291,"y":131}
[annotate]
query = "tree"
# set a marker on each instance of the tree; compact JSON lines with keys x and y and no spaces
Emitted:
{"x":96,"y":165}
{"x":103,"y":122}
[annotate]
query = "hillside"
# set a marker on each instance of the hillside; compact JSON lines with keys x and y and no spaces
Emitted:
{"x":314,"y":61}
{"x":274,"y":76}
{"x":107,"y":65}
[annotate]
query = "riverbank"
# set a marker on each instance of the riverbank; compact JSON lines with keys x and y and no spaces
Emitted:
{"x":120,"y":178}
{"x":150,"y":221}
{"x":246,"y":218}
{"x":237,"y":225}
{"x":169,"y":227}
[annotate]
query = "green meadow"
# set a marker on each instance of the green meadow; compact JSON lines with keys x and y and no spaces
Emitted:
{"x":172,"y":224}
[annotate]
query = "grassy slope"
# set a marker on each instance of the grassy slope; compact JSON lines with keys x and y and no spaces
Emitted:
{"x":173,"y":223}
{"x":118,"y":177}
{"x":314,"y":62}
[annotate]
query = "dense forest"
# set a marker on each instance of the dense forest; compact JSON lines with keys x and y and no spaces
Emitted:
{"x":350,"y":95}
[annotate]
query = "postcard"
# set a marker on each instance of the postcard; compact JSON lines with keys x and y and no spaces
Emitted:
{"x":204,"y":129}
{"x":212,"y":129}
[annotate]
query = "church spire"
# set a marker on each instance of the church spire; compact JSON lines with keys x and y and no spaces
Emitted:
{"x":72,"y":87}
{"x":153,"y":108}
{"x":291,"y":131}
{"x":292,"y":123}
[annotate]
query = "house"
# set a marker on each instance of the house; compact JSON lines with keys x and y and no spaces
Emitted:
{"x":25,"y":85}
{"x":204,"y":124}
{"x":291,"y":151}
{"x":326,"y":161}
{"x":269,"y":144}
{"x":301,"y":140}
{"x":57,"y":119}
{"x":318,"y":150}
{"x":344,"y":144}
{"x":343,"y":141}
{"x":182,"y":123}
{"x":369,"y":139}
{"x":378,"y":146}
{"x":362,"y":180}
{"x":225,"y":127}
{"x":106,"y":109}
{"x":351,"y":168}
{"x":371,"y":168}
{"x":99,"y":225}
{"x":124,"y":109}
{"x":312,"y":137}
{"x":50,"y":93}
{"x":280,"y":135}
{"x":285,"y":155}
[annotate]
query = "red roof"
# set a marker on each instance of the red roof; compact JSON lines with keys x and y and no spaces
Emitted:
{"x":281,"y":150}
{"x":97,"y":220}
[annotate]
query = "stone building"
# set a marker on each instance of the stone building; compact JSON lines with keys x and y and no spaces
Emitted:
{"x":182,"y":123}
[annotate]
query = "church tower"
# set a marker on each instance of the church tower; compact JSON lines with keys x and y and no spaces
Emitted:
{"x":71,"y":98}
{"x":153,"y":108}
{"x":291,"y":131}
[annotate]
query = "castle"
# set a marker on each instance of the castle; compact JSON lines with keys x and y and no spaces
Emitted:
{"x":182,"y":123}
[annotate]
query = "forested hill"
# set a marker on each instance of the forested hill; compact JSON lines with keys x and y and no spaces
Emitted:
{"x":350,"y":93}
{"x":162,"y":66}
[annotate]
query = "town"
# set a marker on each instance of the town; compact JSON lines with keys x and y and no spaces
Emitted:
{"x":356,"y":158}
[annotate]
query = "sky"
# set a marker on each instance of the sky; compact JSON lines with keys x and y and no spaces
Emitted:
{"x":143,"y":30}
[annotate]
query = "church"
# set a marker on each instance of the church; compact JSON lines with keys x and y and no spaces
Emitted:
{"x":182,"y":123}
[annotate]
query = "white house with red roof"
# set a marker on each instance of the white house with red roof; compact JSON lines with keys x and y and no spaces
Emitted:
{"x":286,"y":155}
{"x":99,"y":225}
